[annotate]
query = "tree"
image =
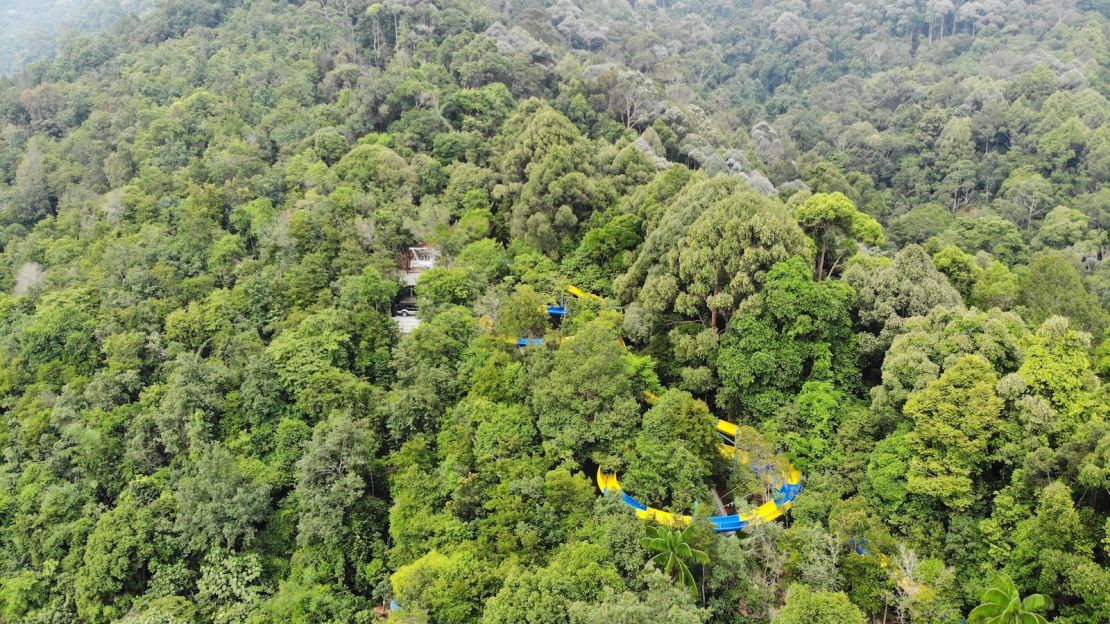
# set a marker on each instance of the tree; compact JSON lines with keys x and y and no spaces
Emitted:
{"x":604,"y":253}
{"x":1063,"y":147}
{"x":1057,"y":367}
{"x":445,"y":286}
{"x":960,"y":268}
{"x":794,"y":331}
{"x":334,"y":478}
{"x":661,"y":601}
{"x":674,"y":554}
{"x":920,"y":223}
{"x":933,"y":343}
{"x":523,"y":314}
{"x":120,"y":547}
{"x":998,"y":236}
{"x":888,"y":295}
{"x":719,"y":258}
{"x":1062,"y":227}
{"x":1053,"y":552}
{"x":995,"y":287}
{"x":450,"y":589}
{"x":577,"y":572}
{"x":1052,"y":285}
{"x":31,"y":197}
{"x":1001,"y":604}
{"x":428,"y":379}
{"x":955,"y":419}
{"x":375,"y":166}
{"x":805,"y":606}
{"x":206,"y":413}
{"x":818,"y":425}
{"x":834,"y":224}
{"x":313,"y":360}
{"x":219,"y":505}
{"x":193,"y":402}
{"x":674,"y":453}
{"x":481,"y":109}
{"x":552,"y":184}
{"x":1030,"y":193}
{"x":587,"y":405}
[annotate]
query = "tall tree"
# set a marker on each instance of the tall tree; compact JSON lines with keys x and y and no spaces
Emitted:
{"x":890,"y":294}
{"x":794,"y":331}
{"x":720,"y":258}
{"x":835,"y":225}
{"x":955,"y":419}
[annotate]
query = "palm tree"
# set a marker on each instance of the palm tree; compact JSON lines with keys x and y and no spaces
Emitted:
{"x":673,"y":552}
{"x":1003,"y":605}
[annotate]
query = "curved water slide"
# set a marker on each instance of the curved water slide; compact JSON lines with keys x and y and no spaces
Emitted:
{"x":787,"y":489}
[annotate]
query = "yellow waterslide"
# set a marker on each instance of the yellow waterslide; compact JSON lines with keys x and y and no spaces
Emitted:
{"x":771,"y":510}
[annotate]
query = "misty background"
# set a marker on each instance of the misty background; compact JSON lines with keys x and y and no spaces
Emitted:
{"x":30,"y":29}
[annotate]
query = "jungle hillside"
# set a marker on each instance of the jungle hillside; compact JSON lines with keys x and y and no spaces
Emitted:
{"x":555,"y":312}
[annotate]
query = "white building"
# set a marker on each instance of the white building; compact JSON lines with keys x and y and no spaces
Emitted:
{"x":416,"y":260}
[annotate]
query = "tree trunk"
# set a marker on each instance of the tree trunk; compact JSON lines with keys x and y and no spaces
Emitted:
{"x":821,"y":260}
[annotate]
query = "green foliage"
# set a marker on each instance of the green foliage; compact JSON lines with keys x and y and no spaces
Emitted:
{"x":1053,"y":286}
{"x":217,"y":504}
{"x":123,"y":543}
{"x":935,"y":342}
{"x":995,"y":287}
{"x":208,"y":415}
{"x":675,"y":452}
{"x":335,"y":480}
{"x":959,"y":267}
{"x":795,"y":330}
{"x":833,"y":222}
{"x":1001,"y":604}
{"x":673,"y":553}
{"x":449,"y":589}
{"x":577,"y":572}
{"x":604,"y":252}
{"x":921,"y":223}
{"x":313,"y":360}
{"x":374,"y":166}
{"x":546,"y":159}
{"x":1057,"y":368}
{"x":888,"y":295}
{"x":954,"y":419}
{"x":229,"y":586}
{"x":1062,"y":227}
{"x":712,"y":249}
{"x":1001,"y":238}
{"x":660,"y":601}
{"x":803,"y":605}
{"x":587,"y":404}
{"x":439,"y":287}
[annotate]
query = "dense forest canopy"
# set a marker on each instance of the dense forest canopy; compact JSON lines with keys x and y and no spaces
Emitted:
{"x":872,"y":234}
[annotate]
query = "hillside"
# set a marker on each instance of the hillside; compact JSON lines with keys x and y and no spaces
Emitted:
{"x":820,"y":287}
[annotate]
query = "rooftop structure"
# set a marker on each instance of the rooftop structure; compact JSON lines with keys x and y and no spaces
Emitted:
{"x":415,"y":261}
